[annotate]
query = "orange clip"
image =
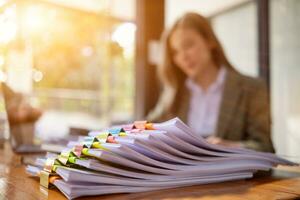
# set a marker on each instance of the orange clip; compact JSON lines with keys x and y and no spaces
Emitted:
{"x":141,"y":125}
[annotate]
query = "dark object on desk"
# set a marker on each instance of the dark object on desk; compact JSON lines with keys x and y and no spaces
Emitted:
{"x":260,"y":173}
{"x":21,"y":119}
{"x":30,"y":159}
{"x":58,"y":144}
{"x":76,"y":131}
{"x":19,"y":111}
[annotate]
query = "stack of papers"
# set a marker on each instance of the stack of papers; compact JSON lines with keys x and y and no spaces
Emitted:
{"x":143,"y":157}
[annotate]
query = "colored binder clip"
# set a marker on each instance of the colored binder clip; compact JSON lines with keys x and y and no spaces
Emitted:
{"x":122,"y":134}
{"x":149,"y":126}
{"x":85,"y":151}
{"x":44,"y":178}
{"x":46,"y":175}
{"x":102,"y":137}
{"x":88,"y":141}
{"x":68,"y":157}
{"x":77,"y":150}
{"x":111,"y":139}
{"x":116,"y":131}
{"x":128,"y":127}
{"x":141,"y":125}
{"x":99,"y":145}
{"x":49,"y":164}
{"x":47,"y":178}
{"x":72,"y":159}
{"x":64,"y":157}
{"x":107,"y":137}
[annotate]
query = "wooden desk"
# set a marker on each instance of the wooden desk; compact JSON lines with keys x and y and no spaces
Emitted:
{"x":284,"y":183}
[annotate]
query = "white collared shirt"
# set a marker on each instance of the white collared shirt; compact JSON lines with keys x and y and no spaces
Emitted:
{"x":205,"y":105}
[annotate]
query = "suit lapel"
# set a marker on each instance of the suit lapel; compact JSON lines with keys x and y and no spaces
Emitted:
{"x":231,"y":94}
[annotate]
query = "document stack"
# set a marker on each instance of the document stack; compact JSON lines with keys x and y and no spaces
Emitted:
{"x":142,"y":157}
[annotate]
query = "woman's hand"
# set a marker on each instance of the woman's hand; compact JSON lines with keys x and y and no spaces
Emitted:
{"x":220,"y":141}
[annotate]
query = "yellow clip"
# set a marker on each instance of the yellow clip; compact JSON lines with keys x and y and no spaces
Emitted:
{"x":122,"y":134}
{"x":98,"y":145}
{"x":44,"y":178}
{"x":85,"y":151}
{"x":102,"y":137}
{"x":49,"y":164}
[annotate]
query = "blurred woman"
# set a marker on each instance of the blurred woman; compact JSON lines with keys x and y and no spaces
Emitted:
{"x":201,"y":87}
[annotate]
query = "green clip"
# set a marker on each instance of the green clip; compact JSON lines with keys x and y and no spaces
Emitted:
{"x":72,"y":159}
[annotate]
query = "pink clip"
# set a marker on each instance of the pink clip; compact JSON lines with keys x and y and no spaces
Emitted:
{"x":78,"y":150}
{"x":111,"y":139}
{"x":128,"y":127}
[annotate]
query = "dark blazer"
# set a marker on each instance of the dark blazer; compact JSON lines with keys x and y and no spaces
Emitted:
{"x":244,"y":112}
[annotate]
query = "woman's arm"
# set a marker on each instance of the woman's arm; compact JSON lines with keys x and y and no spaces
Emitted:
{"x":258,"y":124}
{"x":257,"y":132}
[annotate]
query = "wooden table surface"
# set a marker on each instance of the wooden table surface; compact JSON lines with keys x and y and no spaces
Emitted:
{"x":283,"y":183}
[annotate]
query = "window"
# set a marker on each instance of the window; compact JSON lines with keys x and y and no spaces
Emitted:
{"x":285,"y":73}
{"x":71,"y":58}
{"x":237,"y":31}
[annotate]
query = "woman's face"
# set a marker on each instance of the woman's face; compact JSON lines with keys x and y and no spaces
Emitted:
{"x":190,"y":51}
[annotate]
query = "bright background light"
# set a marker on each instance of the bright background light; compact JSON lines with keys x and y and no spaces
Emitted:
{"x":2,"y":61}
{"x":33,"y":19}
{"x":124,"y":35}
{"x":8,"y":25}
